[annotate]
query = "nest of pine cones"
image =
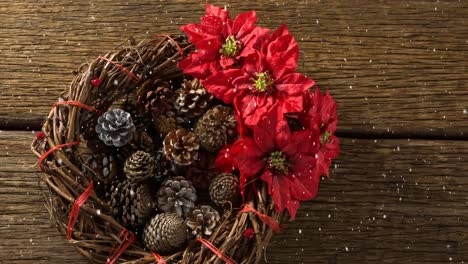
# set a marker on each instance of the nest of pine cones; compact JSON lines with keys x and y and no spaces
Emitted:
{"x":186,"y":150}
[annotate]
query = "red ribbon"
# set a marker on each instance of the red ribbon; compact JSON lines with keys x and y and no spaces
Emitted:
{"x":158,"y":258}
{"x":127,"y":239}
{"x":216,"y":251}
{"x":45,"y":155}
{"x":76,"y":209}
{"x":75,"y":103}
{"x":181,"y":51}
{"x":265,"y":218}
{"x":122,"y":68}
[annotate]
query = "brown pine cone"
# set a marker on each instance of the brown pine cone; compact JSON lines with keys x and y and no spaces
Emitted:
{"x":181,"y":146}
{"x":168,"y":121}
{"x":155,"y":94}
{"x":165,"y":233}
{"x":203,"y":221}
{"x":164,"y":168}
{"x":139,"y":166}
{"x":216,"y":127}
{"x":177,"y":195}
{"x":202,"y":172}
{"x":225,"y":188}
{"x":100,"y":166}
{"x":192,"y":99}
{"x":132,"y":204}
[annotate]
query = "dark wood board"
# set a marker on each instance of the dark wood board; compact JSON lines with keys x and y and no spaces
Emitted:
{"x":388,"y":201}
{"x":393,"y":66}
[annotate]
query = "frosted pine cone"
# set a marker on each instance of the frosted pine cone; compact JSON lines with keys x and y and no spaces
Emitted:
{"x":115,"y":127}
{"x":177,"y":195}
{"x":132,"y":204}
{"x":165,"y":233}
{"x":203,"y":221}
{"x":216,"y":127}
{"x":139,"y":166}
{"x":192,"y":99}
{"x":225,"y":188}
{"x":181,"y":146}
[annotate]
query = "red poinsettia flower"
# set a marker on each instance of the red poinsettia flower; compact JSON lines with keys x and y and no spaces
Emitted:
{"x":320,"y":115}
{"x":220,"y":41}
{"x":267,"y":78}
{"x":282,"y":159}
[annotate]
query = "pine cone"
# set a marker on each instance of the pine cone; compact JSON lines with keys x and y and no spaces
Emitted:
{"x":155,"y":94}
{"x":139,"y":166}
{"x":202,"y":172}
{"x":164,"y":169}
{"x":203,"y":221}
{"x":181,"y":146}
{"x":225,"y":188}
{"x":177,"y":195}
{"x":168,"y":121}
{"x":216,"y":127}
{"x":192,"y":99}
{"x":102,"y":167}
{"x":132,"y":204}
{"x":165,"y":233}
{"x":115,"y":127}
{"x":140,"y":120}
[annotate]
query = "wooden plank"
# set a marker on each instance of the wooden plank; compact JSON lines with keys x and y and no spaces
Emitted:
{"x":392,"y":65}
{"x":388,"y":201}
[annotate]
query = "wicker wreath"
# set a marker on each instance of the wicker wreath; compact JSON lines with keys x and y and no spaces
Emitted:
{"x":138,"y":155}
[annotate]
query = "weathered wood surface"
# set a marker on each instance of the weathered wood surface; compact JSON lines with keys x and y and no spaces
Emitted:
{"x":392,"y":65}
{"x":389,"y":201}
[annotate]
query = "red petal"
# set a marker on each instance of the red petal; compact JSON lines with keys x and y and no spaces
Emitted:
{"x":305,"y":182}
{"x":194,"y":32}
{"x":244,"y":24}
{"x":249,"y":159}
{"x":224,"y":161}
{"x":220,"y":85}
{"x":279,"y":189}
{"x":212,"y":10}
{"x":294,"y":84}
{"x":292,"y":104}
{"x":302,"y":142}
{"x":281,"y":52}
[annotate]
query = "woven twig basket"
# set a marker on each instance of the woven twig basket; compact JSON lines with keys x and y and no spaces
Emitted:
{"x":96,"y":233}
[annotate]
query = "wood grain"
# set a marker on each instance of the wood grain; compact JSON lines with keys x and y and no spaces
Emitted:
{"x":392,"y":65}
{"x":388,"y":201}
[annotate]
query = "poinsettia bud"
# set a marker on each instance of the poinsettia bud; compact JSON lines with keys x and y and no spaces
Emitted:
{"x":249,"y":233}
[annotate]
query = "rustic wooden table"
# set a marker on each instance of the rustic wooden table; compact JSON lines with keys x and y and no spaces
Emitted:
{"x":398,"y":69}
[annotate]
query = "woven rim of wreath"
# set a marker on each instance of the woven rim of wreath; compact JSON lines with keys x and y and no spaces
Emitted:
{"x":83,"y":216}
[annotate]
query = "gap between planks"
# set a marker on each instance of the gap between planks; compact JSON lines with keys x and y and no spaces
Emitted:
{"x":35,"y":124}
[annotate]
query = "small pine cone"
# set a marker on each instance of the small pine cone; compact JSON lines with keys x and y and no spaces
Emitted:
{"x":115,"y":127}
{"x":102,"y":167}
{"x":139,"y":166}
{"x":177,"y":195}
{"x":192,"y":99}
{"x":132,"y":204}
{"x":203,"y":221}
{"x":141,"y":120}
{"x":225,"y":188}
{"x":164,"y":169}
{"x":215,"y":128}
{"x":165,"y":123}
{"x":155,"y":94}
{"x":181,"y":146}
{"x":142,"y":141}
{"x":165,"y":233}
